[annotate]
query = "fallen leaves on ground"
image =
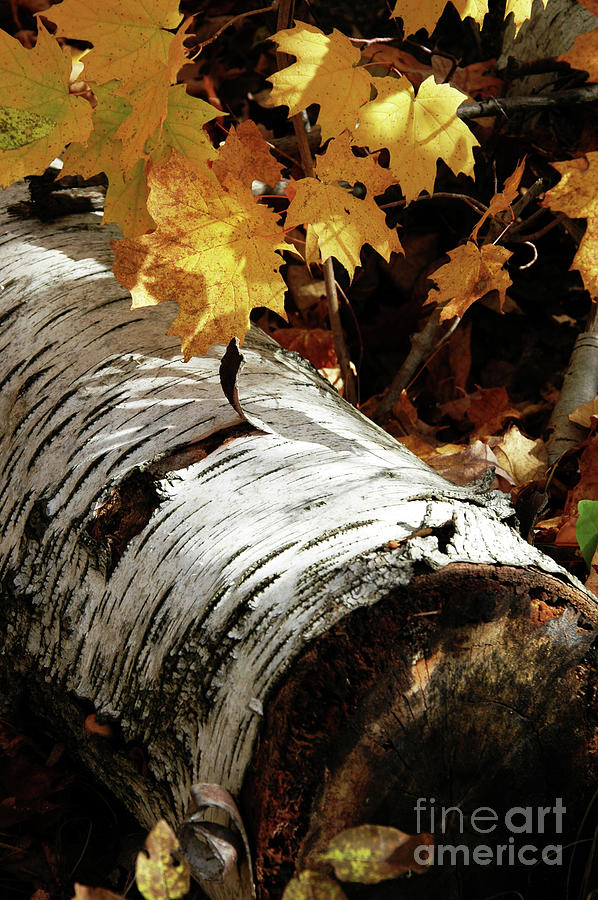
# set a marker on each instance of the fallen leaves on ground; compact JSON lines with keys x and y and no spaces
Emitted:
{"x":312,"y":885}
{"x":314,"y":344}
{"x":585,"y":415}
{"x":523,"y":458}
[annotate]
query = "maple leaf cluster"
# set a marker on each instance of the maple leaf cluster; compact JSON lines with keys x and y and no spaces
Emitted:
{"x":193,"y":230}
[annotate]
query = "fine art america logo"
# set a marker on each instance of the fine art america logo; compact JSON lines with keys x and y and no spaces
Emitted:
{"x":521,"y":829}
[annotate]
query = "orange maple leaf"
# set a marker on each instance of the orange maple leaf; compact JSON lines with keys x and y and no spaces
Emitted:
{"x":246,"y":154}
{"x":503,"y":199}
{"x":339,"y":223}
{"x":214,"y":252}
{"x":416,"y":14}
{"x":576,"y":195}
{"x":584,"y":53}
{"x":314,"y":344}
{"x":417,"y":130}
{"x":132,"y":44}
{"x":126,"y":197}
{"x":471,"y":273}
{"x":327,"y":72}
{"x":183,"y":128}
{"x":38,"y":116}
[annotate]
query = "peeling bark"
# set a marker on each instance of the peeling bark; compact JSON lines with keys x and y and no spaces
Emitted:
{"x":278,"y":598}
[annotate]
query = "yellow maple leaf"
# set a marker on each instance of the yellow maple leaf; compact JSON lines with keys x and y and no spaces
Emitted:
{"x":157,"y":874}
{"x":38,"y":116}
{"x":327,"y":72}
{"x":337,"y":221}
{"x":416,"y":14}
{"x":129,"y":39}
{"x":133,"y":45}
{"x":339,"y":163}
{"x":584,"y":54}
{"x":576,"y":196}
{"x":524,"y":459}
{"x":183,"y":128}
{"x":521,"y":9}
{"x":502,"y":199}
{"x":471,"y":273}
{"x":126,"y":198}
{"x":149,"y":102}
{"x":417,"y":130}
{"x":214,"y":252}
{"x":245,"y":153}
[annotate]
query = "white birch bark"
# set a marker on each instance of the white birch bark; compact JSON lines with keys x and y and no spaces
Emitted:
{"x":252,"y":552}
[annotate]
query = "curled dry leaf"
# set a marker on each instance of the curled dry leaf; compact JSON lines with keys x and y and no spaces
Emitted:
{"x":524,"y":459}
{"x":467,"y":464}
{"x":216,"y":850}
{"x":586,"y":414}
{"x":372,"y":853}
{"x":503,"y":199}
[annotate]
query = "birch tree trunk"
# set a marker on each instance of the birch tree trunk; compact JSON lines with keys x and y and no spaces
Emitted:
{"x":277,"y":598}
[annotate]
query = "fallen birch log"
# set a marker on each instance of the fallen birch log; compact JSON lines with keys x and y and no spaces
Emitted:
{"x":269,"y":594}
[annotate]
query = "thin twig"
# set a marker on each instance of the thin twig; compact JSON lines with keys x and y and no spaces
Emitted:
{"x":499,"y":227}
{"x":245,"y":15}
{"x":534,"y":258}
{"x":534,"y":235}
{"x":359,"y":335}
{"x":285,"y":16}
{"x":423,"y":345}
{"x":435,"y":332}
{"x":495,"y":106}
{"x":475,"y":204}
{"x":503,"y":106}
{"x":367,"y":41}
{"x":342,"y":352}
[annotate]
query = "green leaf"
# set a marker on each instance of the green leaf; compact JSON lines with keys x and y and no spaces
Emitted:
{"x":586,"y":530}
